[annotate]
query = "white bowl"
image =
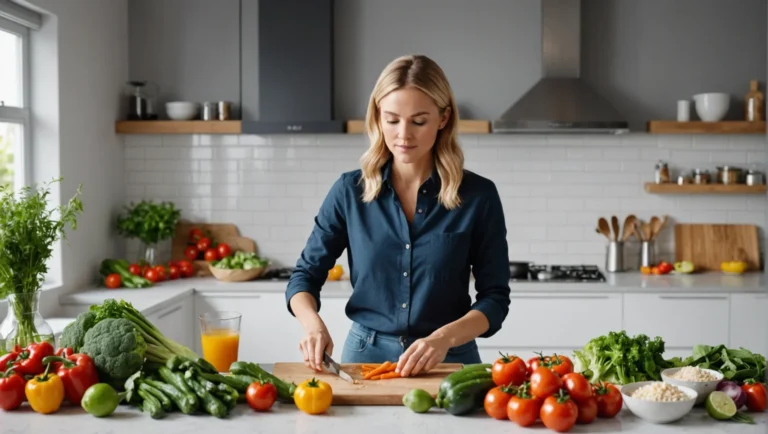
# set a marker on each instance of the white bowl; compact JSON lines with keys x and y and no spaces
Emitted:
{"x":182,"y":110}
{"x":712,"y":107}
{"x":657,"y":412}
{"x":702,"y":388}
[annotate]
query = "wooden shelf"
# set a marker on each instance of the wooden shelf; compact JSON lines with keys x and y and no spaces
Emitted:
{"x":177,"y":127}
{"x":466,"y":126}
{"x":670,"y":188}
{"x":697,"y":127}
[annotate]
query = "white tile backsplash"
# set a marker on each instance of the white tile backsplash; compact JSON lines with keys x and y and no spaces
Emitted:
{"x":553,"y":188}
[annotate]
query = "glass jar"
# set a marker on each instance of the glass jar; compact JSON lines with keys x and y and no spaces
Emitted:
{"x":28,"y":325}
{"x":149,"y":254}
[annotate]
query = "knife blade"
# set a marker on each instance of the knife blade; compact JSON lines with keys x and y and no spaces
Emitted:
{"x":334,"y":368}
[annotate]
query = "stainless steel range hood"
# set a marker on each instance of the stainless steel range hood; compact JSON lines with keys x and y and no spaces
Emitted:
{"x":561,"y":102}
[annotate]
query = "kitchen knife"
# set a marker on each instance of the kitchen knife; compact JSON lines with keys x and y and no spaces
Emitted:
{"x":334,"y":367}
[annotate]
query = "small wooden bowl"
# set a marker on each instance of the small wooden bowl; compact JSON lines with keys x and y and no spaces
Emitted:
{"x":236,"y":275}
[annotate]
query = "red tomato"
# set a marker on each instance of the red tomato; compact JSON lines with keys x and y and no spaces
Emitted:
{"x":560,"y":364}
{"x":609,"y":400}
{"x":162,"y":274}
{"x":174,"y":272}
{"x":535,"y":362}
{"x":523,"y":410}
{"x":135,"y":269}
{"x":191,"y":253}
{"x":559,"y":413}
{"x":186,"y":269}
{"x":260,"y":396}
{"x":587,"y":410}
{"x":203,"y":244}
{"x":509,"y":370}
{"x":665,"y":267}
{"x":151,"y":275}
{"x":113,"y":281}
{"x":544,"y":382}
{"x":578,"y":387}
{"x":171,"y":263}
{"x":496,"y":400}
{"x":756,"y":395}
{"x":224,"y":250}
{"x":211,"y":255}
{"x":195,"y":234}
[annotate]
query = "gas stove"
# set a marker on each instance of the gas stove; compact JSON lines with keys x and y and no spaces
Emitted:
{"x":562,"y":273}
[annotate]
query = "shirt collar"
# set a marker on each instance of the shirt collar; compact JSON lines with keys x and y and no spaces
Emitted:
{"x":433,"y":182}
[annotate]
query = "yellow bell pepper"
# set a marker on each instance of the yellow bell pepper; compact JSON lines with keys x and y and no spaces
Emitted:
{"x":734,"y":266}
{"x":45,"y":392}
{"x":313,"y":396}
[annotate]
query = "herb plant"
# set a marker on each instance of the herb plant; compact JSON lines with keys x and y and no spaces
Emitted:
{"x":148,"y":221}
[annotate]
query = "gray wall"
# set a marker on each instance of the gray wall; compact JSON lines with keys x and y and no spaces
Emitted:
{"x":642,"y":55}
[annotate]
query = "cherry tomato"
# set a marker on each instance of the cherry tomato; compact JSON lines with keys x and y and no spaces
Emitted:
{"x":544,"y":382}
{"x":211,"y":255}
{"x":560,"y":364}
{"x":535,"y":362}
{"x":224,"y":250}
{"x":578,"y":387}
{"x":261,"y":396}
{"x":509,"y":370}
{"x":113,"y":281}
{"x":191,"y":253}
{"x":135,"y":269}
{"x":186,"y":268}
{"x":174,"y":272}
{"x":523,"y":410}
{"x":559,"y":413}
{"x":756,"y":395}
{"x":203,"y":244}
{"x":195,"y":234}
{"x":162,"y":274}
{"x":587,"y":410}
{"x":609,"y":400}
{"x":151,"y":275}
{"x":496,"y":400}
{"x":172,"y":263}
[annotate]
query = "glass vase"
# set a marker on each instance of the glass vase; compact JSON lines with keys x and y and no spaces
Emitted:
{"x":28,"y":325}
{"x":148,"y":254}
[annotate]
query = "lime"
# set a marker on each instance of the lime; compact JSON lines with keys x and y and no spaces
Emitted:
{"x":101,"y":400}
{"x":684,"y":267}
{"x":720,"y":406}
{"x":418,"y":400}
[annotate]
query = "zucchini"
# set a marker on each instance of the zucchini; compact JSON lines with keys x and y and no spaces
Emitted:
{"x":467,"y":396}
{"x":477,"y":370}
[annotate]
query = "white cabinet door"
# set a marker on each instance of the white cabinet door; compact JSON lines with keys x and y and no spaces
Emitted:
{"x":268,"y":332}
{"x":682,"y":320}
{"x":175,"y":322}
{"x":555,"y":322}
{"x":749,"y":322}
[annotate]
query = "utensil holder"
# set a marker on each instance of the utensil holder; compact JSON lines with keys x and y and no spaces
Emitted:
{"x":647,"y":254}
{"x":614,"y":256}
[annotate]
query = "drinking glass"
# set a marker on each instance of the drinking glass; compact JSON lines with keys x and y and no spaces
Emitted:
{"x":220,"y":338}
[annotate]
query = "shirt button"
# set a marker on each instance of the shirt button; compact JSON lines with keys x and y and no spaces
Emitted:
{"x":419,"y":211}
{"x":424,"y":191}
{"x":407,"y":246}
{"x":405,"y":274}
{"x":405,"y":305}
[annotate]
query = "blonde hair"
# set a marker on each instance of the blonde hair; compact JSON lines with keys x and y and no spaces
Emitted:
{"x":422,"y":73}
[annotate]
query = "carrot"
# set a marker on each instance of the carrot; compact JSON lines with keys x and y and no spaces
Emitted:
{"x":369,"y":367}
{"x":391,"y":374}
{"x":379,"y":370}
{"x":375,"y":377}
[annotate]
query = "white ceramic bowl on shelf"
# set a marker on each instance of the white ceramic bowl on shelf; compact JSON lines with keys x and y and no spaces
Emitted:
{"x":182,"y":110}
{"x":712,"y":107}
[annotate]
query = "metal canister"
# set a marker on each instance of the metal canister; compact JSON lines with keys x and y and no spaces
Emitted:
{"x":224,"y":113}
{"x":614,"y":257}
{"x":209,"y":111}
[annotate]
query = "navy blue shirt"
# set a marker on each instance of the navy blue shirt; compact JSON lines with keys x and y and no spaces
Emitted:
{"x":410,"y":279}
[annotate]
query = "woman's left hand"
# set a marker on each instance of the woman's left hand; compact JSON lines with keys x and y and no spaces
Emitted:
{"x":423,"y":355}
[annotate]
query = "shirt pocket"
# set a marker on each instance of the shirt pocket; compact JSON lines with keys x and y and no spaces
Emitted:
{"x":449,"y":254}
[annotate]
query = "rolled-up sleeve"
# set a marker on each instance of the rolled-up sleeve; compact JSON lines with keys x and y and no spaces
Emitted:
{"x":490,"y":263}
{"x":326,"y":242}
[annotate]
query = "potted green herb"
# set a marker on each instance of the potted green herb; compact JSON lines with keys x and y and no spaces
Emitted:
{"x":150,"y":223}
{"x":29,"y":227}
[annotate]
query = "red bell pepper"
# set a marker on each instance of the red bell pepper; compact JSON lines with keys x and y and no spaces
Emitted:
{"x":30,"y":361}
{"x":64,"y":352}
{"x":77,"y":373}
{"x":11,"y":390}
{"x":7,"y":360}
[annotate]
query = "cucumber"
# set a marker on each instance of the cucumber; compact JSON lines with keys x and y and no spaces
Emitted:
{"x":467,"y":396}
{"x":477,"y":370}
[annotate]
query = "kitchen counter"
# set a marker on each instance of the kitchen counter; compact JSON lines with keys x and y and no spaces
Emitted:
{"x":342,"y":419}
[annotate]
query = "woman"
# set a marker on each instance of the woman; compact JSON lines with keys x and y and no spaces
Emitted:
{"x":413,"y":222}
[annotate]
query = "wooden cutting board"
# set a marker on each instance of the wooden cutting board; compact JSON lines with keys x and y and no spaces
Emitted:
{"x":708,"y":245}
{"x":367,"y":392}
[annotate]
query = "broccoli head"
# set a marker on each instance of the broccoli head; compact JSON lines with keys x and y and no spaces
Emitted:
{"x":116,"y":347}
{"x":73,"y":335}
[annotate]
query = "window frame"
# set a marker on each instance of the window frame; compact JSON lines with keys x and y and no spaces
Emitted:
{"x":20,"y":115}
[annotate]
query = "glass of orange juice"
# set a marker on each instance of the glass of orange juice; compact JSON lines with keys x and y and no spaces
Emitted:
{"x":220,"y":338}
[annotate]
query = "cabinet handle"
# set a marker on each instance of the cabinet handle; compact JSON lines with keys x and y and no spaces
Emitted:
{"x":695,"y":297}
{"x":165,"y":314}
{"x":567,"y":297}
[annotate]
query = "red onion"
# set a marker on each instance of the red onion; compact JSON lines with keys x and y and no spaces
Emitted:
{"x":734,"y":391}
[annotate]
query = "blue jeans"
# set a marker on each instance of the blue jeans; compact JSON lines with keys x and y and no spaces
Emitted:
{"x":365,"y":345}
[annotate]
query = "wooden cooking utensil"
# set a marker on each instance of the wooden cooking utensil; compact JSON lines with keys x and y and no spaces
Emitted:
{"x":647,"y":231}
{"x":655,"y":225}
{"x":615,"y":226}
{"x":629,"y":227}
{"x":638,"y":227}
{"x":602,"y":224}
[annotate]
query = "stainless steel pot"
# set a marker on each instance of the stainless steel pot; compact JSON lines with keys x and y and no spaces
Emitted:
{"x":729,"y":175}
{"x":755,"y":178}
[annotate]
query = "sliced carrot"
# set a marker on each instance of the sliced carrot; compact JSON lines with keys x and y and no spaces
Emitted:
{"x":375,"y":377}
{"x":379,"y":370}
{"x":391,"y":374}
{"x":367,"y":367}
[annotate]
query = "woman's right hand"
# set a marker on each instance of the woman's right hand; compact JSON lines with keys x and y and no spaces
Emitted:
{"x":314,"y":343}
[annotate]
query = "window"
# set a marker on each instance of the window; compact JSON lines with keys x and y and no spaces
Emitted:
{"x":14,"y":106}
